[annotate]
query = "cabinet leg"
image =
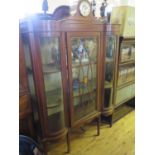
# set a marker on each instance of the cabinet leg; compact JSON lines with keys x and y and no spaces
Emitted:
{"x":68,"y":141}
{"x":45,"y":148}
{"x":111,"y":120}
{"x":98,"y":126}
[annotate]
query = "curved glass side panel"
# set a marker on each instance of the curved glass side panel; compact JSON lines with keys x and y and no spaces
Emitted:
{"x":50,"y":57}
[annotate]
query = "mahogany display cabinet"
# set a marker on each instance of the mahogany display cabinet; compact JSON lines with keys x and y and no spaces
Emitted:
{"x":63,"y":62}
{"x":71,"y":71}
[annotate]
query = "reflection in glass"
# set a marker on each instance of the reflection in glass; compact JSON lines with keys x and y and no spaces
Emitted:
{"x":50,"y":56}
{"x":84,"y":56}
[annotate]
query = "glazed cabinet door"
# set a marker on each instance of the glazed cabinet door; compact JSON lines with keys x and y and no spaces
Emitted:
{"x":110,"y":57}
{"x":83,"y":55}
{"x":48,"y":82}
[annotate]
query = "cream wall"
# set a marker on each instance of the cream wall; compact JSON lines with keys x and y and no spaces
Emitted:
{"x":112,"y":3}
{"x":34,"y":6}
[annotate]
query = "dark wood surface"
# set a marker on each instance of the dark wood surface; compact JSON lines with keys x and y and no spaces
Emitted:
{"x":25,"y":109}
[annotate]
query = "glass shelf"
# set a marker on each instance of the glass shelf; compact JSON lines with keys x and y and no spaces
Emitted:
{"x":131,"y":61}
{"x":108,"y":84}
{"x":76,"y":94}
{"x":50,"y":68}
{"x":109,"y":60}
{"x":78,"y":64}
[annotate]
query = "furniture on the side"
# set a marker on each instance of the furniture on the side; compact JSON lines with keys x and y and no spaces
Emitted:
{"x":124,"y":92}
{"x":25,"y":109}
{"x":125,"y":83}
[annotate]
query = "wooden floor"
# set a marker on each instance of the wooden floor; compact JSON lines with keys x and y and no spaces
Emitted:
{"x":118,"y":140}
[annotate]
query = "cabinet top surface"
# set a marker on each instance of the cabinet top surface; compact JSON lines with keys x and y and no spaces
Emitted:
{"x":69,"y":24}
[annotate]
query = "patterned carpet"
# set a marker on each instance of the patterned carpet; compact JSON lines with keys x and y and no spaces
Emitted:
{"x":118,"y":140}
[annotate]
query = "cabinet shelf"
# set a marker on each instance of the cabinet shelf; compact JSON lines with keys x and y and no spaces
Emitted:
{"x":53,"y":98}
{"x":83,"y":94}
{"x":125,"y":84}
{"x":109,"y":60}
{"x":49,"y":68}
{"x":54,"y":110}
{"x":127,"y":62}
{"x":108,"y":84}
{"x":118,"y":105}
{"x":77,"y":64}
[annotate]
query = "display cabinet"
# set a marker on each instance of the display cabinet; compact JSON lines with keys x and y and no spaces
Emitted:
{"x":111,"y":39}
{"x":63,"y":60}
{"x":72,"y":68}
{"x":125,"y":83}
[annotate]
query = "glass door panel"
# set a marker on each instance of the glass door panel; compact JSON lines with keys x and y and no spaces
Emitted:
{"x":110,"y":59}
{"x":50,"y":57}
{"x":109,"y":69}
{"x":84,"y":63}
